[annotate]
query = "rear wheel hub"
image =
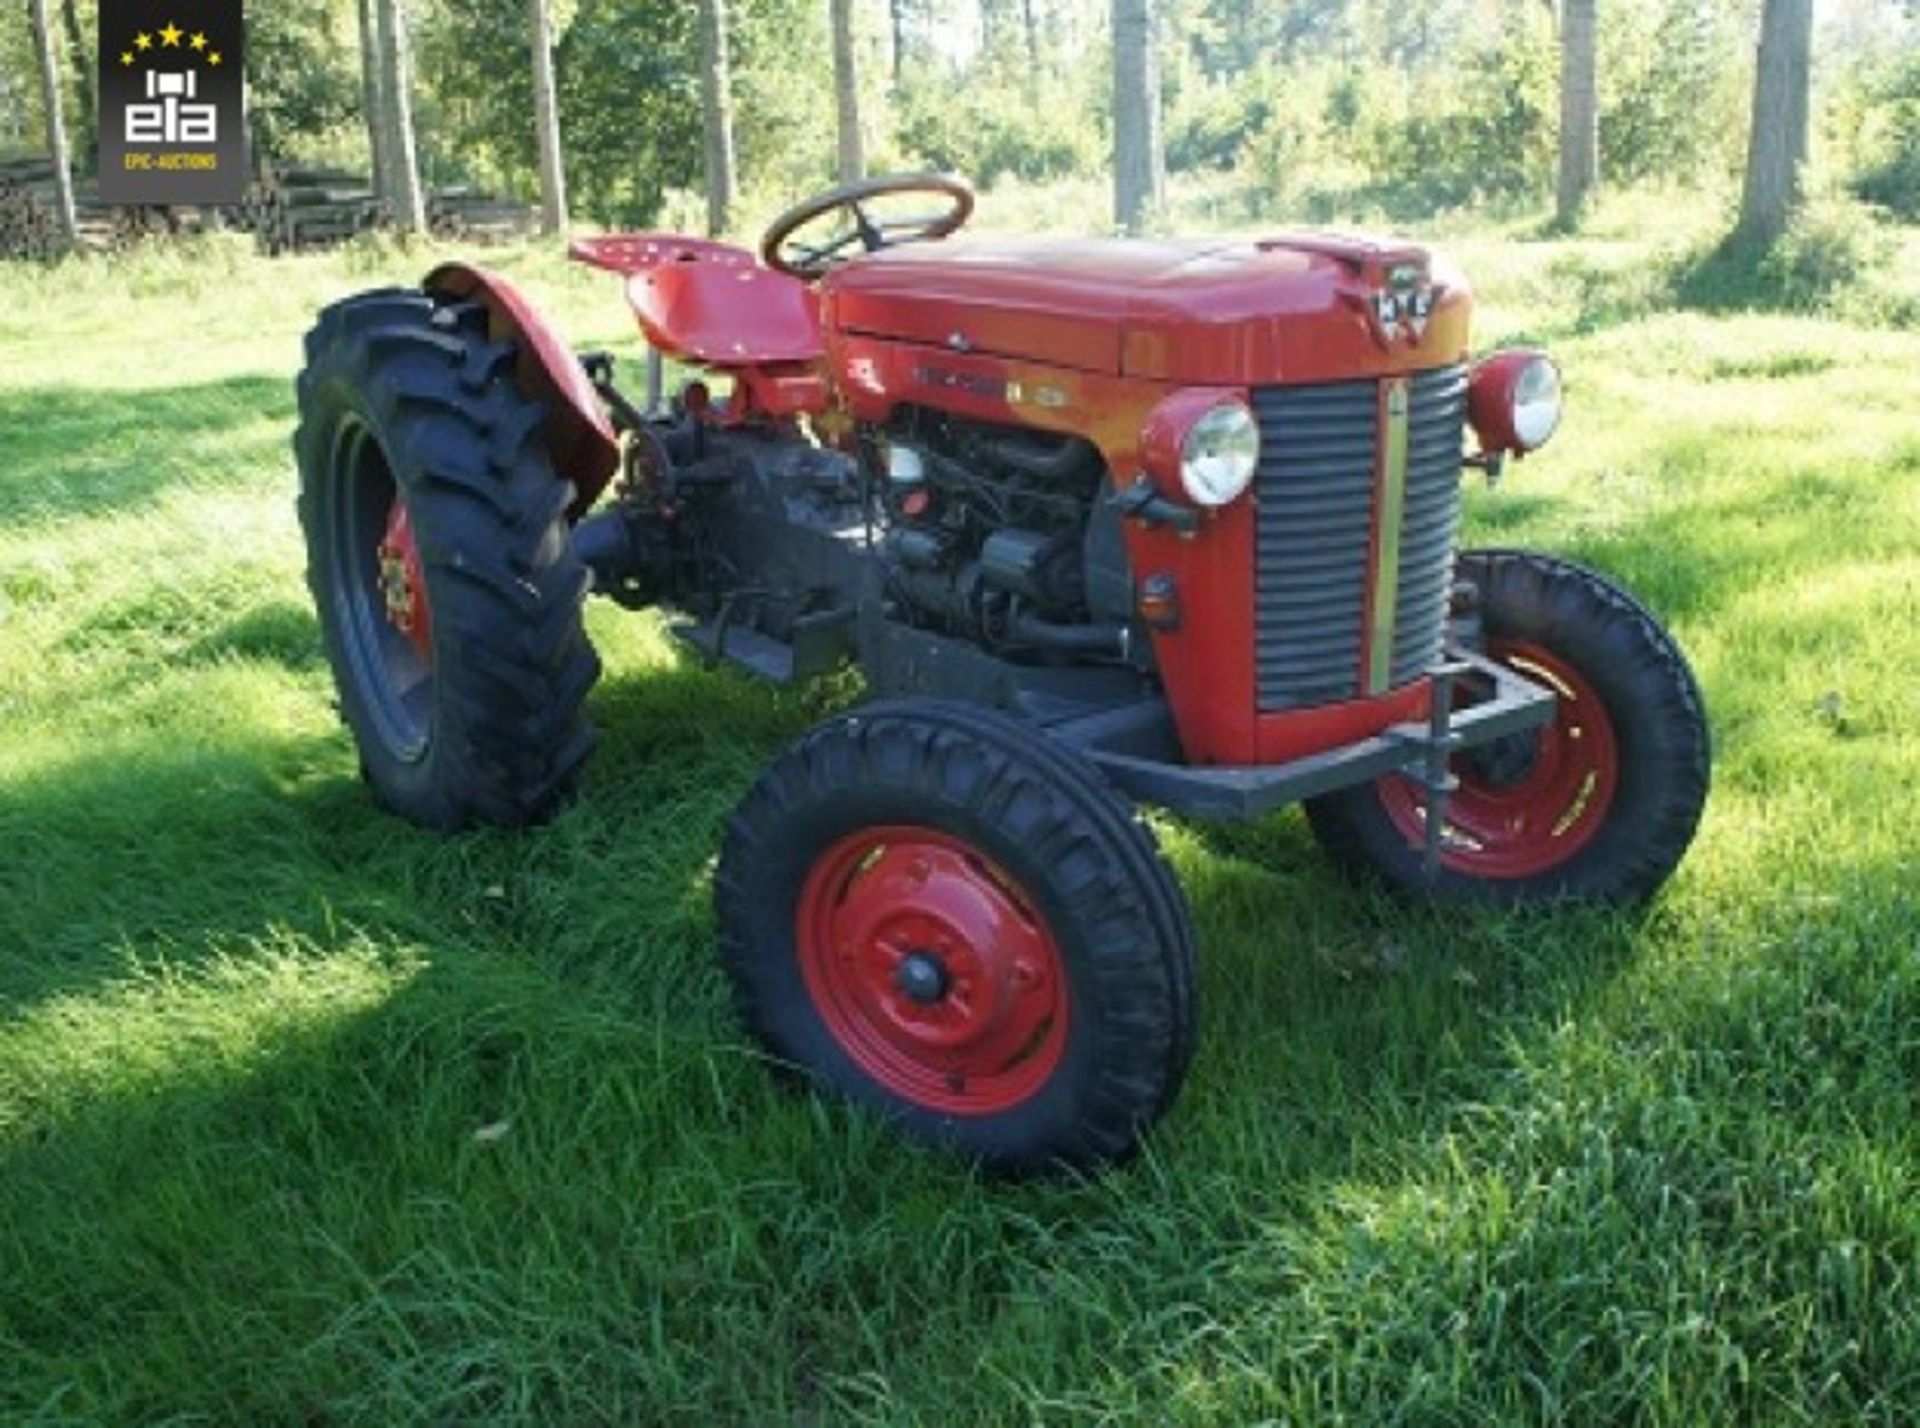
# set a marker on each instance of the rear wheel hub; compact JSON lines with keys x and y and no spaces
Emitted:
{"x":403,"y":585}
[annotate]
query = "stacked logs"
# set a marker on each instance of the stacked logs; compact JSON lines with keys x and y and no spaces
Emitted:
{"x":30,"y":215}
{"x":288,"y":209}
{"x":296,"y":208}
{"x":30,"y":212}
{"x":299,"y":207}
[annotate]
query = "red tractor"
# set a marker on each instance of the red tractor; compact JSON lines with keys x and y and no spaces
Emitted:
{"x":1100,"y":523}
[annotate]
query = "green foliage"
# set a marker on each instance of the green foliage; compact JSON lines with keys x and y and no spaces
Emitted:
{"x":480,"y":99}
{"x":1489,"y":135}
{"x":1832,"y":258}
{"x":630,"y":105}
{"x":303,"y":77}
{"x":1672,"y":107}
{"x":1890,"y":170}
{"x":988,"y":131}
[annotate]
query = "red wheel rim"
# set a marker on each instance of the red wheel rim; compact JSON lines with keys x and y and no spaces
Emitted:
{"x":1523,"y":826}
{"x":932,"y":969}
{"x":403,"y":586}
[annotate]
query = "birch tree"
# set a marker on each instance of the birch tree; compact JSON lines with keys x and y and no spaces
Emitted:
{"x":716,"y":105}
{"x":1777,"y":141}
{"x":1139,"y":168}
{"x":409,"y":203}
{"x":1579,"y":109}
{"x":546,"y":113}
{"x":373,"y":101}
{"x":846,"y":93}
{"x":56,"y":123}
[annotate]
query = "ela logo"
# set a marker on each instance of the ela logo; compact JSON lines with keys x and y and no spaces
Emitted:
{"x":170,"y":107}
{"x":172,"y":118}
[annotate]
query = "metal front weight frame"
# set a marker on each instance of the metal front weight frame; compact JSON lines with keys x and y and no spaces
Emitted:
{"x":1134,"y":746}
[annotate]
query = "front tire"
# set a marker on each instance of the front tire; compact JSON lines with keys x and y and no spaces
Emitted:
{"x":946,"y":918}
{"x":448,"y":593}
{"x":1599,"y":805}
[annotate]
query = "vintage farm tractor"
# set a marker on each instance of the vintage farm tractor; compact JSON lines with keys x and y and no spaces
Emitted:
{"x":1098,"y":521}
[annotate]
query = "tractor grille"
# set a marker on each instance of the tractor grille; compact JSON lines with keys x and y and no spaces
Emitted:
{"x":1315,"y":492}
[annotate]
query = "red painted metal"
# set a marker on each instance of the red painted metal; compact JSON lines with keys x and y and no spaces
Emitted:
{"x":709,"y":302}
{"x":995,"y":1034}
{"x":712,"y":303}
{"x":1295,"y":733}
{"x":1230,"y":312}
{"x":579,"y":437}
{"x":1536,"y":823}
{"x":403,"y":584}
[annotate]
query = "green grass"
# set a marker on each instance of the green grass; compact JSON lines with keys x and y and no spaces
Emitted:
{"x":309,"y":1117}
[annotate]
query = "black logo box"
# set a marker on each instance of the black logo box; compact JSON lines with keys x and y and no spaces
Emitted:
{"x":172,"y":124}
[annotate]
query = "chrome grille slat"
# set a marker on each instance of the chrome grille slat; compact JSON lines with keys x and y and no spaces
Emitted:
{"x":1314,"y":495}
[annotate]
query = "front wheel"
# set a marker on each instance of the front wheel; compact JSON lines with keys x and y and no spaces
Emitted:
{"x":941,"y":915}
{"x":1598,"y":805}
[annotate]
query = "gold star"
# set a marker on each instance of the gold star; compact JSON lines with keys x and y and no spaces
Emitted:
{"x":143,"y":41}
{"x":125,"y":57}
{"x":199,"y":42}
{"x":170,"y":36}
{"x":214,"y":58}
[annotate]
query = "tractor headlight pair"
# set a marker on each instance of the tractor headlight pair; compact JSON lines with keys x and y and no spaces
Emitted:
{"x":1205,"y":439}
{"x":1513,"y":401}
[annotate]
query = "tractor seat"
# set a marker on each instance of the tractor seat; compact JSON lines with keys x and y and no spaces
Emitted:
{"x":709,"y":302}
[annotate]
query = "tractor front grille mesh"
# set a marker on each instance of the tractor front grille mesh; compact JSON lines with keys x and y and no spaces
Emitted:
{"x":1314,"y":492}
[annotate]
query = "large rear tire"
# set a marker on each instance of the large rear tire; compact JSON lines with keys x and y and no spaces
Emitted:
{"x":1599,"y":805}
{"x":945,"y":917}
{"x":448,"y":593}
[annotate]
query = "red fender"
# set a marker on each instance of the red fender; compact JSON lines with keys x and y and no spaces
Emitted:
{"x":579,"y":437}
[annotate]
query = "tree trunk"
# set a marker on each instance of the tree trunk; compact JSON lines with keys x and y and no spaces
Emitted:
{"x":88,"y":118}
{"x":56,"y":124}
{"x":897,"y":20}
{"x":716,"y":107}
{"x":846,"y":93}
{"x":409,"y":203}
{"x":546,"y":113}
{"x":1777,"y":142}
{"x":1032,"y":25}
{"x":1139,"y":170}
{"x":373,"y":103}
{"x":1579,"y":110}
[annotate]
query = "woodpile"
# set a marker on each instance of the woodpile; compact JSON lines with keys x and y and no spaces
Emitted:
{"x":30,"y":215}
{"x":295,"y":208}
{"x":288,"y":209}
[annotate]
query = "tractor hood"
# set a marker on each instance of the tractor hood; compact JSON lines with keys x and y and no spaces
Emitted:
{"x":1288,"y":308}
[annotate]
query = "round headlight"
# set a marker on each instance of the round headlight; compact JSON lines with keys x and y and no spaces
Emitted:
{"x":1536,"y":403}
{"x":1218,"y":454}
{"x":1513,"y":401}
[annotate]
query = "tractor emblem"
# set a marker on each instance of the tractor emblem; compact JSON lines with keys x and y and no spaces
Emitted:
{"x":1403,"y":305}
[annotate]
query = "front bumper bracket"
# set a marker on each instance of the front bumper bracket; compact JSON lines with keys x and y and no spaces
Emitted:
{"x":1135,"y":746}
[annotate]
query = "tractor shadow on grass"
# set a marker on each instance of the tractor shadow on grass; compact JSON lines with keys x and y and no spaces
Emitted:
{"x":68,"y":451}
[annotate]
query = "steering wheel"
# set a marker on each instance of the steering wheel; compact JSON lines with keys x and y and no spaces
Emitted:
{"x":785,"y":253}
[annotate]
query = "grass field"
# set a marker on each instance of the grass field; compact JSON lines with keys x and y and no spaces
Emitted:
{"x":307,"y":1117}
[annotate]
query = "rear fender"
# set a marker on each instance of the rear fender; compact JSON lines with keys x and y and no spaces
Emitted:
{"x":580,"y":439}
